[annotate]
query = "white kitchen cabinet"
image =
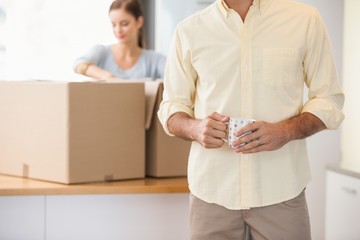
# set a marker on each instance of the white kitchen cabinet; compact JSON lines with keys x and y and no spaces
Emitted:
{"x":22,"y":218}
{"x":94,"y":217}
{"x":113,"y":217}
{"x":342,"y":206}
{"x":151,"y":209}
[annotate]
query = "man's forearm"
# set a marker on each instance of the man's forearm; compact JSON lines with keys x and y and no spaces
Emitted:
{"x":180,"y":124}
{"x":303,"y":126}
{"x":209,"y":131}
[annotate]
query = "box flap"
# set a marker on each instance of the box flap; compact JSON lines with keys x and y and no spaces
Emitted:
{"x":151,"y":94}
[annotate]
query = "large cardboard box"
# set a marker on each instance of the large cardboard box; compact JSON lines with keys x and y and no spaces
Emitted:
{"x":165,"y":156}
{"x":72,"y":132}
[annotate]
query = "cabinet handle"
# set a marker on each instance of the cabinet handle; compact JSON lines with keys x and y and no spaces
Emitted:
{"x":349,"y":190}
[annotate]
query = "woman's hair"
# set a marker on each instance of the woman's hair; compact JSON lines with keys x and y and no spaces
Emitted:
{"x":133,"y":7}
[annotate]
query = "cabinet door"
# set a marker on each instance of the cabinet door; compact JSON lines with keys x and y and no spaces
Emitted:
{"x":22,"y":218}
{"x":342,"y":207}
{"x":114,"y":217}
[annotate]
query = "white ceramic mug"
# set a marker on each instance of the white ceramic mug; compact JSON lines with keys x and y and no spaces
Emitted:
{"x":234,"y":125}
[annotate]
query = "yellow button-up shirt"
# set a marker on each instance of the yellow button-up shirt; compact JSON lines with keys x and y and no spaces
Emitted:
{"x":253,"y":69}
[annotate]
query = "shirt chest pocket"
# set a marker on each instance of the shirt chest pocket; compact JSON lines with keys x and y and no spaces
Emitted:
{"x":281,"y":66}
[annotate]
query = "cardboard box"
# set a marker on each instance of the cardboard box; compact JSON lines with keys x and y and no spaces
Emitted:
{"x":72,"y":132}
{"x":165,"y":156}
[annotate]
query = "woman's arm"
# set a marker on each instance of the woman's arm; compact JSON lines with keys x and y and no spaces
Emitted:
{"x":91,"y":70}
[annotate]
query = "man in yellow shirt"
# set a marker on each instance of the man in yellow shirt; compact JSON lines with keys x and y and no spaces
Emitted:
{"x":250,"y":59}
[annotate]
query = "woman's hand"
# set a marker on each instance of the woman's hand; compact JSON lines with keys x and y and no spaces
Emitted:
{"x":91,"y":70}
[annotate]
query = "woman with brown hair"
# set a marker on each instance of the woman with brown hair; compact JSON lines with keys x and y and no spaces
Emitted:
{"x":127,"y":58}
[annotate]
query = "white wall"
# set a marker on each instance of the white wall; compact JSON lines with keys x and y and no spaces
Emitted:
{"x":171,"y":13}
{"x":162,"y":16}
{"x":44,"y":37}
{"x":351,"y":127}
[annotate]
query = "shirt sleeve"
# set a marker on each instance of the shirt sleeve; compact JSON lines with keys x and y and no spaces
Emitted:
{"x":325,"y":96}
{"x":179,"y":81}
{"x":93,"y":55}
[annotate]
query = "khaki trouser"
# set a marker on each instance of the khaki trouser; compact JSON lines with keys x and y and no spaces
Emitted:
{"x":288,"y":220}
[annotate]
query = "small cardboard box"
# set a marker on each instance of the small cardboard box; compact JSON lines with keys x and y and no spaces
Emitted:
{"x":72,"y":132}
{"x":165,"y":156}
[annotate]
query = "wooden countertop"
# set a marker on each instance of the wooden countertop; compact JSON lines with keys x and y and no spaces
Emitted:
{"x":15,"y":186}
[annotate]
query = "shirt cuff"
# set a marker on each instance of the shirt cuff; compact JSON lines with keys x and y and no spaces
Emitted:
{"x":166,"y":110}
{"x":329,"y":113}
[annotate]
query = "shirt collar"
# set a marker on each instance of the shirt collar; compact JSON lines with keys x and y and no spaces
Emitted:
{"x":261,"y":4}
